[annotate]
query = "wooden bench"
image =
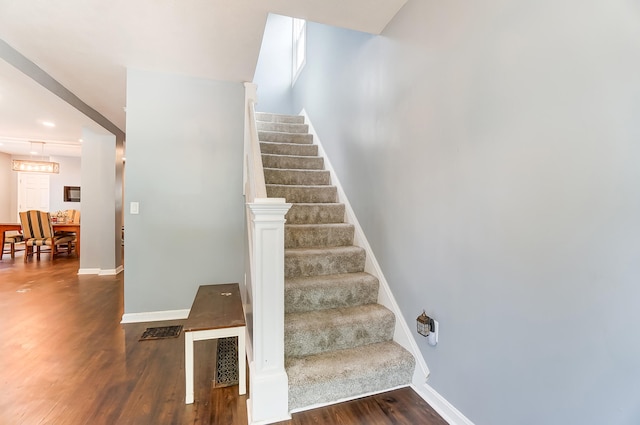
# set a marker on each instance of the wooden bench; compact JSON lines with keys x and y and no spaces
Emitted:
{"x":216,"y":313}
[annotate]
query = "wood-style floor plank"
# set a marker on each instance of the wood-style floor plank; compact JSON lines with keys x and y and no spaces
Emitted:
{"x":398,"y":407}
{"x":66,"y":359}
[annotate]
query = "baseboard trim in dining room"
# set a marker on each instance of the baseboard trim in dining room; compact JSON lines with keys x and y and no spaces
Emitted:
{"x":155,"y":316}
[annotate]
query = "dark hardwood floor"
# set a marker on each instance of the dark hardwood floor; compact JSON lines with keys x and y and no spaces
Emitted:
{"x":66,"y":359}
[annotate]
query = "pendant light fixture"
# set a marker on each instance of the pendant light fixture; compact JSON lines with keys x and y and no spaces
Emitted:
{"x":36,"y":166}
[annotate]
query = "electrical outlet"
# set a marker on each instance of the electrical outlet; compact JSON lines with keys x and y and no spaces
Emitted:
{"x":432,"y":338}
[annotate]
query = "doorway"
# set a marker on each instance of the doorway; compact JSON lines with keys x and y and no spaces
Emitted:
{"x":33,"y":192}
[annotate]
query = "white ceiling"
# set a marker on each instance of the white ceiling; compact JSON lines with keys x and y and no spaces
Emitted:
{"x":86,"y":45}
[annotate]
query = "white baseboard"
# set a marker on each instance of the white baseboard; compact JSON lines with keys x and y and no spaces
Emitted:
{"x":101,"y":272}
{"x":88,"y":271}
{"x":445,"y":409}
{"x":110,"y":272}
{"x":155,"y":316}
{"x":251,"y":421}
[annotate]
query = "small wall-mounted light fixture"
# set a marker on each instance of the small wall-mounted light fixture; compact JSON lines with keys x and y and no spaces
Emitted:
{"x":425,"y":324}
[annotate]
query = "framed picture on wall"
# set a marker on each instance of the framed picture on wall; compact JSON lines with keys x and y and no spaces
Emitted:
{"x":72,"y":194}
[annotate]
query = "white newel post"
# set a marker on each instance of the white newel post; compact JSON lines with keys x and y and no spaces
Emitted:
{"x":268,"y":385}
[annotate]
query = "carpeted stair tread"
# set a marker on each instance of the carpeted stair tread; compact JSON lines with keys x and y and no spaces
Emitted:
{"x":318,"y":235}
{"x":278,"y":137}
{"x":300,"y":262}
{"x":302,"y":193}
{"x":294,"y":149}
{"x":293,"y":162}
{"x":296,"y":177}
{"x":282,"y":127}
{"x":329,"y":291}
{"x":336,"y":375}
{"x":308,"y":213}
{"x":269,"y":117}
{"x":318,"y":331}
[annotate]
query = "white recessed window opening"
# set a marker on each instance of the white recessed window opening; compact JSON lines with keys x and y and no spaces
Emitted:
{"x":299,"y":54}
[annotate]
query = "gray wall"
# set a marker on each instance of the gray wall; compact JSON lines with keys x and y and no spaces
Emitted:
{"x":184,"y":167}
{"x":99,"y":253}
{"x":490,"y":151}
{"x":70,"y":175}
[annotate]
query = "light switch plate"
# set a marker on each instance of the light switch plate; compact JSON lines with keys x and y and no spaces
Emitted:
{"x":134,"y":208}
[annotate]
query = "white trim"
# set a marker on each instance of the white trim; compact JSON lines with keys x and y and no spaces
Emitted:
{"x":267,"y":378}
{"x":110,"y":272}
{"x":101,"y":272}
{"x":402,"y":334}
{"x":250,"y":420}
{"x":445,"y":409}
{"x":154,"y":316}
{"x":88,"y":271}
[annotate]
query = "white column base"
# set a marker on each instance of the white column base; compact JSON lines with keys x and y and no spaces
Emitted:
{"x":266,"y":405}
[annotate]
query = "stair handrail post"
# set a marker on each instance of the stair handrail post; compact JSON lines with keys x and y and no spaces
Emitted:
{"x":269,"y":385}
{"x":263,"y":292}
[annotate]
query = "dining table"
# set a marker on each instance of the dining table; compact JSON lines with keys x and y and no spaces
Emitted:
{"x":57,"y":227}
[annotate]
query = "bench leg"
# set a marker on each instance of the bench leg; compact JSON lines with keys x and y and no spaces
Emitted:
{"x":242,"y":363}
{"x":188,"y":367}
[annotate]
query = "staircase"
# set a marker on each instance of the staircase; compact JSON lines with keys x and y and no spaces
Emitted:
{"x":338,"y":340}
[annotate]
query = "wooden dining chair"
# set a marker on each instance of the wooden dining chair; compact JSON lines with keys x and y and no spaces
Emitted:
{"x":73,"y":216}
{"x":12,"y":240}
{"x":38,"y":232}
